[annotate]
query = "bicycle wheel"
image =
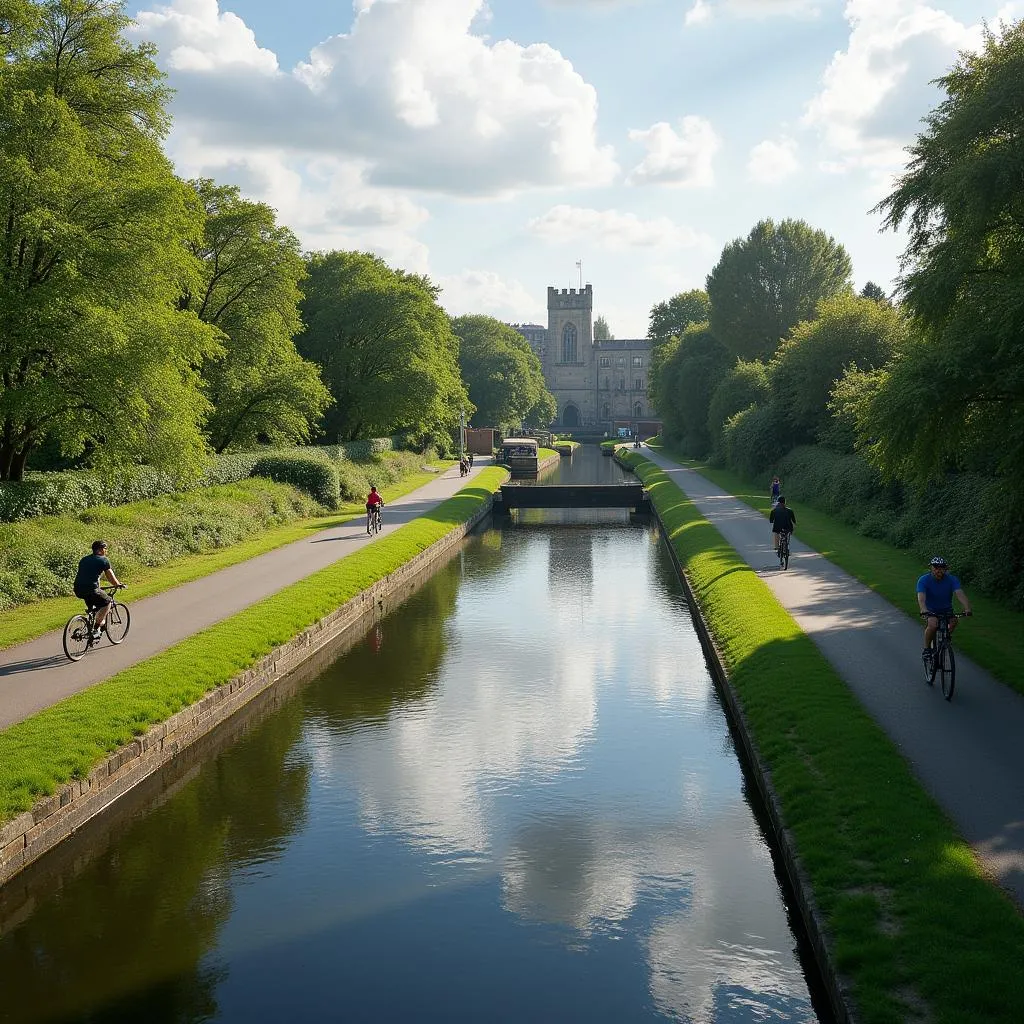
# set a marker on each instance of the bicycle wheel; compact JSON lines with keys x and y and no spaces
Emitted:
{"x":948,"y":670}
{"x":785,"y":557}
{"x":930,"y":666}
{"x":117,"y":622}
{"x":77,"y":639}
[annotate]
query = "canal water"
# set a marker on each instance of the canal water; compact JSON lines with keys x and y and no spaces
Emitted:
{"x":516,"y":799}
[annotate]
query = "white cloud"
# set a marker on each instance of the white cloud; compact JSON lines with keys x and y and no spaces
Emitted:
{"x":772,"y":161}
{"x":676,"y":158}
{"x":703,"y":10}
{"x":878,"y":89}
{"x":483,"y":291}
{"x":412,"y":90}
{"x":612,"y":229}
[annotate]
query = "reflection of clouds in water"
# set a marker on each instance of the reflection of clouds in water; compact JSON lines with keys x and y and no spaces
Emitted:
{"x":592,"y":877}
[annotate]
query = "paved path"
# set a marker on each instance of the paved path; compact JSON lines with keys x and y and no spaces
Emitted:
{"x":36,"y":674}
{"x":968,"y":754}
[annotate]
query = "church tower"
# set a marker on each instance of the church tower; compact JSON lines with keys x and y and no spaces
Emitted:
{"x":569,"y":356}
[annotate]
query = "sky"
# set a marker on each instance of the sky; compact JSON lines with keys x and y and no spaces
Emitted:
{"x":502,"y":146}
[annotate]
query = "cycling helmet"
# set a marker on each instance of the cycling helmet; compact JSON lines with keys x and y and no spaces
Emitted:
{"x":939,"y":562}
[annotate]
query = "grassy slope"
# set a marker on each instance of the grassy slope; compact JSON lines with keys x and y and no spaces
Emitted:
{"x":32,"y":620}
{"x":994,"y":638}
{"x":67,"y":740}
{"x":914,"y":925}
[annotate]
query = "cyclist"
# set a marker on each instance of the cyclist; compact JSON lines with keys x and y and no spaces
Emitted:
{"x":373,"y":502}
{"x":935,"y":592}
{"x":87,"y":583}
{"x":776,"y":490}
{"x":783,"y":520}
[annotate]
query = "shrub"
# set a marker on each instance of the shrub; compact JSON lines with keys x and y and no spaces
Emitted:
{"x":313,"y":473}
{"x":755,"y":439}
{"x":746,"y":384}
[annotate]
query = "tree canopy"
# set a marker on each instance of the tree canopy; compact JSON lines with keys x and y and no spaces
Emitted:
{"x":959,"y":392}
{"x":502,"y":373}
{"x":385,"y":348}
{"x":602,"y":332}
{"x":765,"y":284}
{"x":94,"y":354}
{"x":260,"y":388}
{"x":670,"y":318}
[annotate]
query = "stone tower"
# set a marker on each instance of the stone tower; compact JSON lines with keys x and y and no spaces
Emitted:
{"x":569,"y":356}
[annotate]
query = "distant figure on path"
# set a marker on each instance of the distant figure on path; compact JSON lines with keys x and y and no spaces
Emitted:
{"x":783,"y":520}
{"x":776,"y":490}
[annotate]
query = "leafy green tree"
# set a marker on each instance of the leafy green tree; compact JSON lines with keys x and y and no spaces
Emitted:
{"x":693,"y":367}
{"x":385,"y":348}
{"x":502,"y":373}
{"x":874,"y":291}
{"x":670,"y":318}
{"x":765,"y":284}
{"x":746,"y":384}
{"x":94,"y":353}
{"x":957,"y":395}
{"x":847,"y":332}
{"x":602,"y":332}
{"x":260,"y":388}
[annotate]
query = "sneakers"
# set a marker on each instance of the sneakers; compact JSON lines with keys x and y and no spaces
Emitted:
{"x":96,"y":634}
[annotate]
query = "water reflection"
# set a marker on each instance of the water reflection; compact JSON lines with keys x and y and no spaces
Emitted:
{"x":515,"y":799}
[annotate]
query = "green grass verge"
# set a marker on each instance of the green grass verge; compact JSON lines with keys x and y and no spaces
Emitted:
{"x":69,"y":739}
{"x":29,"y":621}
{"x":994,"y":637}
{"x":561,"y":446}
{"x":915,"y":927}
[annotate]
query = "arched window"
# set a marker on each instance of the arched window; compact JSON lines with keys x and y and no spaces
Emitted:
{"x":569,"y":343}
{"x":571,"y":416}
{"x":638,"y":410}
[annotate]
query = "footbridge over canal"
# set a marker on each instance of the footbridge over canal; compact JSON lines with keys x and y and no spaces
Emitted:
{"x":624,"y":495}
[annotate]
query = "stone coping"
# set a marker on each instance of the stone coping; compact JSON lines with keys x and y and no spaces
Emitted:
{"x":58,"y":816}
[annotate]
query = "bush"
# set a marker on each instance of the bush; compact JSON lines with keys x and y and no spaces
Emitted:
{"x":746,"y":384}
{"x":313,"y":473}
{"x":755,"y":439}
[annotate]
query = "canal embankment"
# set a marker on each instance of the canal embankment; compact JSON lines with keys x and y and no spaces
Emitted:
{"x":909,"y":926}
{"x":67,"y":763}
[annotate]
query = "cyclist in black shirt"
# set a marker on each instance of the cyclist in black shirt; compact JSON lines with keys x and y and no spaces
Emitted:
{"x":783,"y":519}
{"x":87,"y":582}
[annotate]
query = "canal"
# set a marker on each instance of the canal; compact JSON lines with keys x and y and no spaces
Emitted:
{"x":515,"y":799}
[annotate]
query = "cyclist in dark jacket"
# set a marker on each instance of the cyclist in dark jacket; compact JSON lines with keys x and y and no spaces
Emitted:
{"x":783,"y":520}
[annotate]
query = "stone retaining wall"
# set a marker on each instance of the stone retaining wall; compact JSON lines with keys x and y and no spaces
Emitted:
{"x":799,"y":883}
{"x":54,"y":818}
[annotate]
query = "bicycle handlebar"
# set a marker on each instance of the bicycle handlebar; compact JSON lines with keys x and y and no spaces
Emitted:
{"x":946,"y":615}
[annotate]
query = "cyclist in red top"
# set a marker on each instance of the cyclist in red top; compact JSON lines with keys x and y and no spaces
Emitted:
{"x":372,"y":499}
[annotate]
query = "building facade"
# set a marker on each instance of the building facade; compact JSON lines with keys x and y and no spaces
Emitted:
{"x":600,"y":386}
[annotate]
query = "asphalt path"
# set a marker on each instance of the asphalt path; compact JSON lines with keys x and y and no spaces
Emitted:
{"x":967,"y":753}
{"x":35,"y":675}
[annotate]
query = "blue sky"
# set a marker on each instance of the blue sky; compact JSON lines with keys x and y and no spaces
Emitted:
{"x":493,"y":144}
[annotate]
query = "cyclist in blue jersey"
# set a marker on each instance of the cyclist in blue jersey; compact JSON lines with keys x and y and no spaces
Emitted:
{"x":935,"y":592}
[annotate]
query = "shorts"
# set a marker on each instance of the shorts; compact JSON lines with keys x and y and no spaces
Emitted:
{"x":94,"y":598}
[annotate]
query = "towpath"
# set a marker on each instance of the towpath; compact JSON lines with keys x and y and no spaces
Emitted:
{"x":36,"y":674}
{"x":968,"y":754}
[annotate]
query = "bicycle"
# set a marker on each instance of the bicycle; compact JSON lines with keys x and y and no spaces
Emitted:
{"x":373,"y":523}
{"x":783,"y":551}
{"x":941,"y":661}
{"x":78,"y":633}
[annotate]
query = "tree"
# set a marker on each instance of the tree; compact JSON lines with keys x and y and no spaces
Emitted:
{"x":847,"y":332}
{"x":602,"y":332}
{"x":94,"y":355}
{"x":874,"y":291}
{"x":746,"y":384}
{"x":260,"y":388}
{"x":502,"y":373}
{"x":765,"y":284}
{"x":670,"y":318}
{"x":957,"y":395}
{"x":693,"y":366}
{"x":385,"y":348}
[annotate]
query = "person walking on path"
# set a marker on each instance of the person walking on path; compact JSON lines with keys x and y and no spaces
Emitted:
{"x":935,"y":592}
{"x":783,"y":520}
{"x":776,"y":490}
{"x":87,"y":583}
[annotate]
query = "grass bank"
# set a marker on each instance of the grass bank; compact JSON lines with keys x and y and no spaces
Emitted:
{"x":263,"y":515}
{"x":69,"y":739}
{"x":994,"y":637}
{"x":915,"y":927}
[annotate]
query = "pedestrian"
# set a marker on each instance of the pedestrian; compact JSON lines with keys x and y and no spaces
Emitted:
{"x":776,"y":490}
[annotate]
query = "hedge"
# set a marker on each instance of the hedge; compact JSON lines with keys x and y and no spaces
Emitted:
{"x":314,"y":473}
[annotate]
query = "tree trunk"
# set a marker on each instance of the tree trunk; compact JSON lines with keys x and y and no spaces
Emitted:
{"x":18,"y":462}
